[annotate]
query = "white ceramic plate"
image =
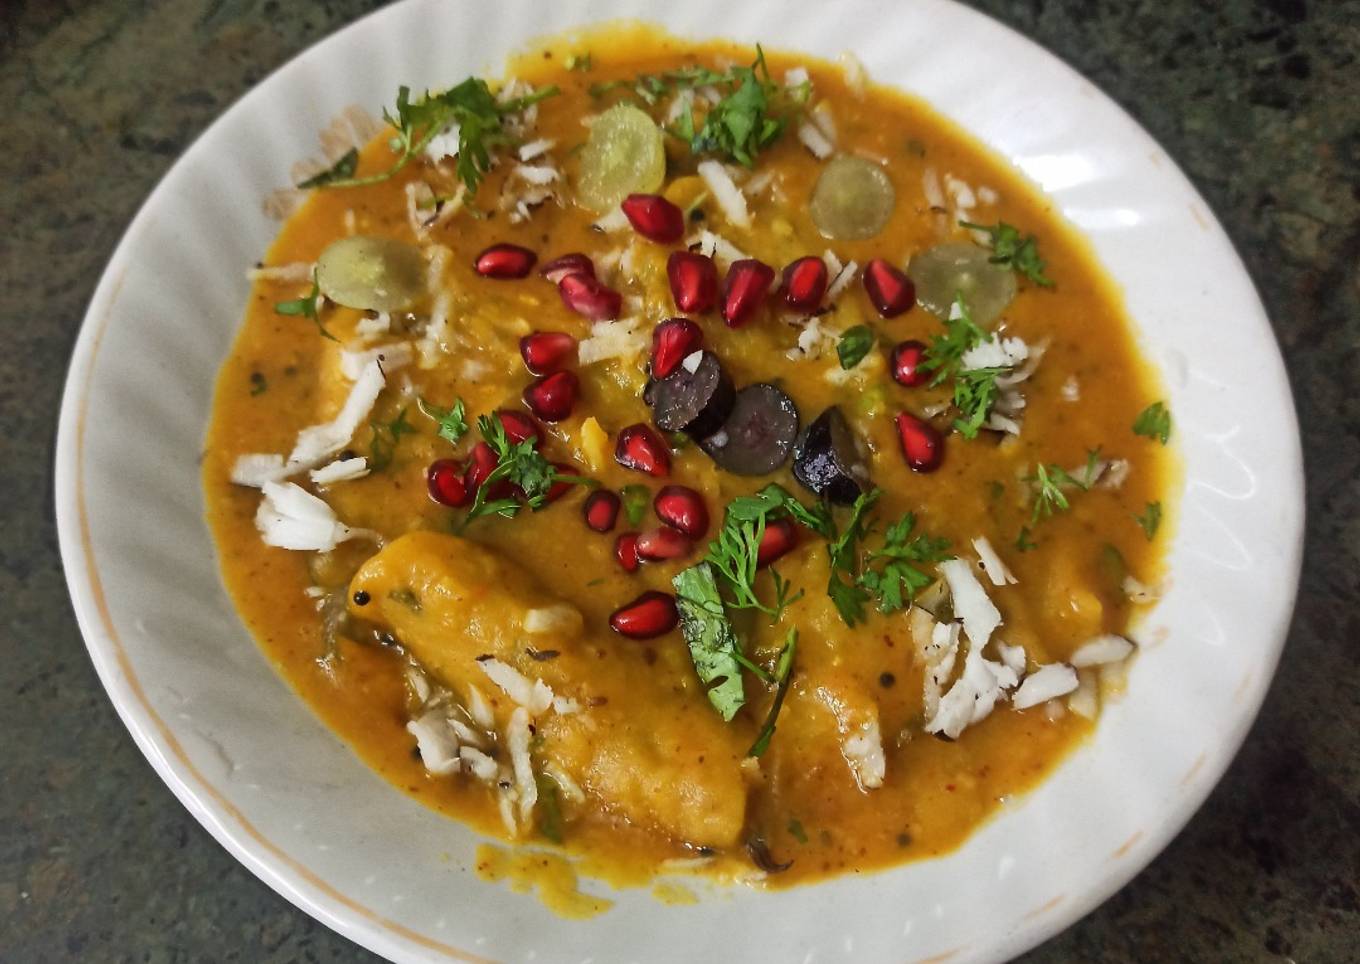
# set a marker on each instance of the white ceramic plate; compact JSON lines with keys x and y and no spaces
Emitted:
{"x":296,"y":807}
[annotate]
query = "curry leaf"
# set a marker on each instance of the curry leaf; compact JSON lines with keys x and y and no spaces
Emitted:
{"x":854,"y":345}
{"x":710,"y":638}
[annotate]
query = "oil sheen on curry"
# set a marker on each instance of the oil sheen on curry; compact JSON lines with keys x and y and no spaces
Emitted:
{"x":692,"y":457}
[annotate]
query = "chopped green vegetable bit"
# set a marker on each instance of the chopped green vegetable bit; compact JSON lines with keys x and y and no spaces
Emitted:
{"x":344,"y":167}
{"x":452,"y":421}
{"x":383,"y":448}
{"x":783,"y":672}
{"x":1024,"y":542}
{"x":582,"y":62}
{"x":1019,"y":254}
{"x":1154,"y":422}
{"x":306,"y":307}
{"x":709,"y":635}
{"x":855,"y":343}
{"x":1150,"y":520}
{"x":549,"y":808}
{"x":635,"y":499}
{"x":796,"y":831}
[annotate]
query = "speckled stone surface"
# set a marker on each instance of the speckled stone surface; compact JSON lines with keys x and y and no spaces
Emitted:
{"x":1260,"y":102}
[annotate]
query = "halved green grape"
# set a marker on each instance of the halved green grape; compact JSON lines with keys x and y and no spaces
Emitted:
{"x":959,"y":269}
{"x":624,"y":155}
{"x":375,"y":274}
{"x":852,"y":200}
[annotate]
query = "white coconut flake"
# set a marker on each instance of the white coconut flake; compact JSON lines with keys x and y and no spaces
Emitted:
{"x":393,"y":357}
{"x":796,"y":77}
{"x":1085,"y":699}
{"x":992,"y":564}
{"x":477,"y":763}
{"x":680,"y":105}
{"x":975,"y":610}
{"x":930,"y":184}
{"x":1140,"y":592}
{"x":538,"y":175}
{"x":559,"y":619}
{"x":842,"y":280}
{"x":319,"y":442}
{"x":375,"y":327}
{"x":479,"y":709}
{"x":534,"y":695}
{"x":613,"y":339}
{"x":974,"y":694}
{"x":758,"y":182}
{"x":987,"y":195}
{"x":517,"y":736}
{"x":569,"y":787}
{"x":341,"y":470}
{"x":726,"y":193}
{"x":255,"y":469}
{"x":690,"y":362}
{"x":995,"y":353}
{"x":444,"y":144}
{"x":436,"y":742}
{"x":1012,"y":656}
{"x":716,"y":247}
{"x":1001,"y":423}
{"x":939,"y":653}
{"x":856,"y":77}
{"x":1045,"y":683}
{"x":613,"y":221}
{"x":1071,"y":389}
{"x":1116,"y":474}
{"x":958,"y":190}
{"x":533,"y":149}
{"x":295,"y":272}
{"x":290,"y":517}
{"x":811,"y":137}
{"x":505,"y":804}
{"x":1108,"y":648}
{"x":419,"y":683}
{"x":863,"y":751}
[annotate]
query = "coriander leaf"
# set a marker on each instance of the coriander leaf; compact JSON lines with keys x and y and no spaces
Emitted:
{"x":944,"y":356}
{"x":1048,"y":482}
{"x":854,"y":344}
{"x":1023,"y":542}
{"x":848,"y":596}
{"x":520,"y":464}
{"x":1154,"y":422}
{"x":974,"y":396}
{"x":796,"y":830}
{"x":344,"y":167}
{"x":383,"y":447}
{"x":1150,"y":520}
{"x":710,"y":638}
{"x":579,"y":61}
{"x":307,"y":307}
{"x":635,"y":499}
{"x":735,"y":552}
{"x":783,"y":672}
{"x":774,"y":499}
{"x":1009,"y":249}
{"x":452,"y":421}
{"x":900,"y":578}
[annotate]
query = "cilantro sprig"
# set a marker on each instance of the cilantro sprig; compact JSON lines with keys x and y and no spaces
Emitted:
{"x":519,"y":464}
{"x":975,"y":390}
{"x":344,"y":167}
{"x":1020,"y":254}
{"x":1154,"y":422}
{"x":309,"y":307}
{"x":471,"y":105}
{"x":1151,"y":520}
{"x":383,"y":448}
{"x":783,"y":673}
{"x":1049,"y":498}
{"x":452,"y":421}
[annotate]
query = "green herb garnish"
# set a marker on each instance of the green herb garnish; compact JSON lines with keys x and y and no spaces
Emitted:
{"x":306,"y":307}
{"x":783,"y":673}
{"x":1048,"y":481}
{"x":635,"y":499}
{"x":1150,"y":520}
{"x":843,"y":585}
{"x":1154,"y":422}
{"x":854,"y":345}
{"x":344,"y":167}
{"x":796,"y":830}
{"x":1023,"y":542}
{"x":520,"y":464}
{"x":1019,"y":254}
{"x":383,"y":448}
{"x":945,"y":354}
{"x":974,"y":395}
{"x":452,"y":421}
{"x":899,"y":578}
{"x":470,"y":105}
{"x":582,"y":62}
{"x":709,"y":635}
{"x":549,"y":808}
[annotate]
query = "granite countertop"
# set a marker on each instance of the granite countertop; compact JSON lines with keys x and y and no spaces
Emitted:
{"x":1260,"y":102}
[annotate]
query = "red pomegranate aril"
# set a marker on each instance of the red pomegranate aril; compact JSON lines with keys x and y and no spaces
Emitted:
{"x":444,"y":478}
{"x":748,"y":282}
{"x":683,"y":508}
{"x":574,"y":263}
{"x":544,"y":352}
{"x":553,"y":397}
{"x":505,"y":261}
{"x":601,"y":510}
{"x":480,"y":465}
{"x":519,"y":426}
{"x":663,"y":543}
{"x":653,"y":217}
{"x":650,"y":615}
{"x":922,"y":444}
{"x":625,"y":550}
{"x":640,"y":448}
{"x":906,"y":364}
{"x":778,"y":540}
{"x":804,"y":283}
{"x":559,"y":488}
{"x":891,"y":291}
{"x":672,"y":341}
{"x":694,"y":281}
{"x":585,"y":295}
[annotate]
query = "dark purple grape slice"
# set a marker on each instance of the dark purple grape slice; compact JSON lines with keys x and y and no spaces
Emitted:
{"x":696,"y":402}
{"x":758,"y":436}
{"x":827,"y":459}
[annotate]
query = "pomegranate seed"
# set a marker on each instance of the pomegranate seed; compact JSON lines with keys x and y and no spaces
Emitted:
{"x":922,"y":444}
{"x":653,"y":217}
{"x":574,"y":263}
{"x":481,"y":464}
{"x":646,"y":617}
{"x":601,"y":510}
{"x":505,"y":261}
{"x":625,"y":550}
{"x":552,"y":397}
{"x":583,"y":294}
{"x":890,"y":290}
{"x":544,"y":352}
{"x":906,"y":364}
{"x":748,"y":282}
{"x":682,"y":507}
{"x":444,"y":479}
{"x":519,"y":426}
{"x":672,"y":340}
{"x":804,"y":283}
{"x":641,"y":449}
{"x":778,"y":540}
{"x":694,"y":281}
{"x":662,"y":543}
{"x":559,"y":488}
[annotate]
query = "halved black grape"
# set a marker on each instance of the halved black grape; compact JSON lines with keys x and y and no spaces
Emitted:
{"x":827,"y":459}
{"x":695,"y":402}
{"x":758,"y":436}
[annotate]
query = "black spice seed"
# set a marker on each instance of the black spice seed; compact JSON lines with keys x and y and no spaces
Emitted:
{"x":696,"y":215}
{"x":904,"y":840}
{"x":886,"y":680}
{"x":361,"y":597}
